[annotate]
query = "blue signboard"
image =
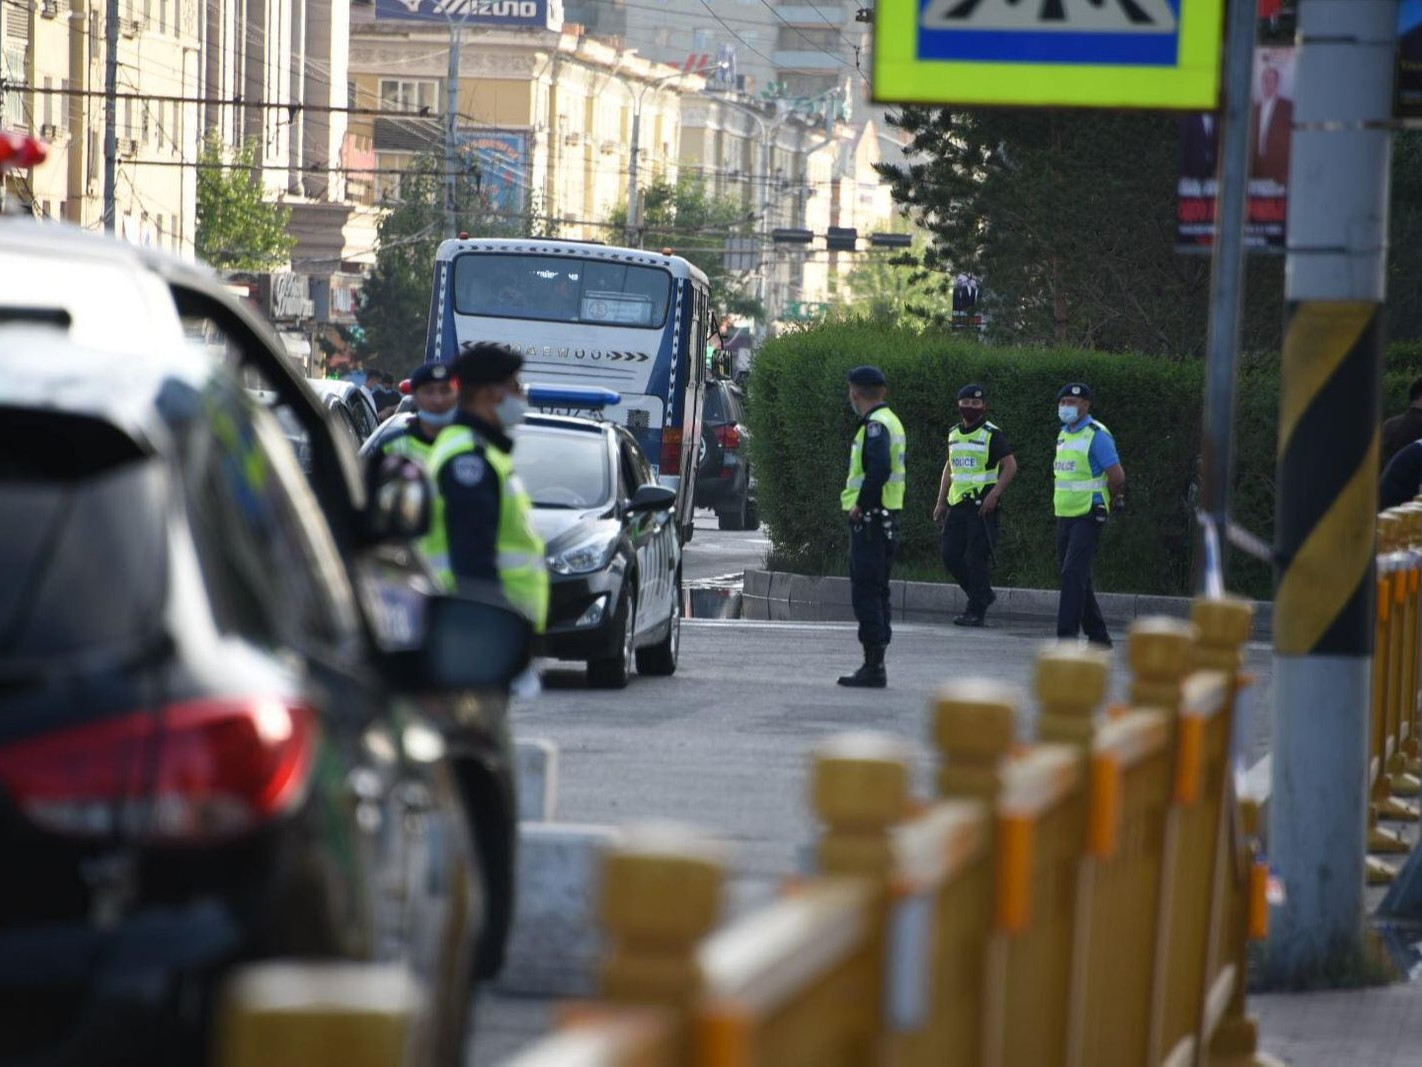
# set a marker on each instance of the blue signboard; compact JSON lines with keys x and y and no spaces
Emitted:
{"x":503,"y":166}
{"x":544,"y":14}
{"x":1101,"y":53}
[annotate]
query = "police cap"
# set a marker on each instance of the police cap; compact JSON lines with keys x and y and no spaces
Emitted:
{"x":1075,"y":391}
{"x":867,"y":375}
{"x":972,"y":392}
{"x":486,"y":363}
{"x":430,"y":372}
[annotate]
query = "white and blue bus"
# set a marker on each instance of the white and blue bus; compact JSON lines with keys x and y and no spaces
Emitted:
{"x":630,"y":320}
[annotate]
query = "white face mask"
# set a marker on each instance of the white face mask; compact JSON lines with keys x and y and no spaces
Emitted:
{"x":430,"y":418}
{"x":1067,"y":413}
{"x":511,"y":410}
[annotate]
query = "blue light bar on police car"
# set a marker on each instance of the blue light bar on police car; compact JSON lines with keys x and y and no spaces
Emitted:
{"x":572,"y":398}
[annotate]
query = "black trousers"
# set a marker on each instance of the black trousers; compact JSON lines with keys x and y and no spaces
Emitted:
{"x":1077,"y":610}
{"x":871,"y":557}
{"x":969,"y":538}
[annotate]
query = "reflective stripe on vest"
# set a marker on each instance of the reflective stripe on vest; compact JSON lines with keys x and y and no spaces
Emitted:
{"x":893,"y":494}
{"x":409,"y":446}
{"x":520,"y":555}
{"x":1074,"y":486}
{"x":967,"y":461}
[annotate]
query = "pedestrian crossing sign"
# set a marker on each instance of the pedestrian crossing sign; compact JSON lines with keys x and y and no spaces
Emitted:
{"x":1158,"y":54}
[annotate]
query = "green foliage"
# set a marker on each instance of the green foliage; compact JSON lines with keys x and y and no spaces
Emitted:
{"x":1069,"y":219}
{"x":1404,"y":304}
{"x":898,"y":290}
{"x":686,"y":218}
{"x":802,"y":425}
{"x":236,"y":228}
{"x":395,"y":300}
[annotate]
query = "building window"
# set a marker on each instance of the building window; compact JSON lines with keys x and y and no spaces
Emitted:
{"x":47,"y":108}
{"x":703,"y":40}
{"x":409,"y":96}
{"x":389,"y":182}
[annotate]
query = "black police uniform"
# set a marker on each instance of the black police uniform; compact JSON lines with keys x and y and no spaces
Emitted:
{"x":969,"y":537}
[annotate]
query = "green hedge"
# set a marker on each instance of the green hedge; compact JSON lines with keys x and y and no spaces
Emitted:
{"x":801,"y":426}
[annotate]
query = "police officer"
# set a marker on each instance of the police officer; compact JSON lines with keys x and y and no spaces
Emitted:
{"x":432,"y":387}
{"x":1089,"y":481}
{"x":482,"y":529}
{"x":980,"y":464}
{"x":873,"y":497}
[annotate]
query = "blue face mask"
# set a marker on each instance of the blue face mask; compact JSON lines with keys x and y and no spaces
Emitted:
{"x":429,"y":418}
{"x":1067,"y":413}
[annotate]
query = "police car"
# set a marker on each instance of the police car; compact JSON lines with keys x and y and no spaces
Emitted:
{"x":613,"y":552}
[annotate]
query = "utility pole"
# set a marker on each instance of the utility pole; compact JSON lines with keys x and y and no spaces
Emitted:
{"x":111,"y":40}
{"x":1327,"y":483}
{"x":634,"y":195}
{"x":451,"y":118}
{"x":1227,"y":289}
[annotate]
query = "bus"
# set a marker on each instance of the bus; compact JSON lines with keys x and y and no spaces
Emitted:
{"x":582,"y":314}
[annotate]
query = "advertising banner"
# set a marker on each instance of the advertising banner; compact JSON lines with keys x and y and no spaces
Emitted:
{"x":1271,"y":123}
{"x":502,"y":156}
{"x":543,"y":14}
{"x":1409,"y":59}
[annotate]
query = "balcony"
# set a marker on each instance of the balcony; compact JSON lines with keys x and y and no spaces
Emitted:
{"x":805,"y":15}
{"x":806,"y":61}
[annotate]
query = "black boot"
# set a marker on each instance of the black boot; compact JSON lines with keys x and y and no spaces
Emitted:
{"x":871,"y":675}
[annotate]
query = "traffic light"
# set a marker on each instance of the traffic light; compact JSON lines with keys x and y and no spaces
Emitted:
{"x":891,"y":240}
{"x":842,"y":239}
{"x":785,"y":236}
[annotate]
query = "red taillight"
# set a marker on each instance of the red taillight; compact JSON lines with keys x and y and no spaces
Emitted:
{"x":199,"y":770}
{"x":729,"y":437}
{"x":671,"y":451}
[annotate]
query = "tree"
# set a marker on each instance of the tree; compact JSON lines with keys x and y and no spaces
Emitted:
{"x":1404,"y":309}
{"x":1074,"y":241}
{"x":898,"y":290}
{"x":686,"y":218}
{"x":395,"y":300}
{"x":236,"y":228}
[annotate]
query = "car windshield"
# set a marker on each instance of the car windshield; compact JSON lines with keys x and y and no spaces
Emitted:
{"x":563,"y":468}
{"x":86,"y":570}
{"x":715,"y":410}
{"x":561,"y":289}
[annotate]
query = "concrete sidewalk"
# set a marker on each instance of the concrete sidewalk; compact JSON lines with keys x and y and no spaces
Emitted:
{"x":1378,"y":1027}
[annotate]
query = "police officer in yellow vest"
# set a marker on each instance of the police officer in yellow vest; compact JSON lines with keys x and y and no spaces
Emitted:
{"x":873,"y":497}
{"x":482,"y":529}
{"x":432,"y":387}
{"x":980,"y":465}
{"x":1089,"y":481}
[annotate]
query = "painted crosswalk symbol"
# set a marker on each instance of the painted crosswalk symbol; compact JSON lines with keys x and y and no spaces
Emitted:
{"x":1070,"y":16}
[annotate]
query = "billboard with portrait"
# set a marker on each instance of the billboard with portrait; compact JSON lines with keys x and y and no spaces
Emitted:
{"x":542,"y":14}
{"x":1271,"y":125}
{"x":1409,"y":59}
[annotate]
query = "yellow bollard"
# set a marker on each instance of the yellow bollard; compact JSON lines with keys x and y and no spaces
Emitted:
{"x":1071,"y":685}
{"x":861,"y":788}
{"x":974,"y":726}
{"x":1404,"y":782}
{"x":1131,"y":783}
{"x":660,"y":895}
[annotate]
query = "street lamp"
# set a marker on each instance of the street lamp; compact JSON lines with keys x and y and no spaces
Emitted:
{"x":634,"y":212}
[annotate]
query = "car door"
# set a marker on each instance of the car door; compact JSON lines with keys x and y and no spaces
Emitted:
{"x":662,"y":544}
{"x":641,"y":530}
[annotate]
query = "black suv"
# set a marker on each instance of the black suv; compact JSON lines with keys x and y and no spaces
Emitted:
{"x":228,"y":695}
{"x":723,"y":477}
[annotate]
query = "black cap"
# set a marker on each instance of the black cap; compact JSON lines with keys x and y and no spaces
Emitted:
{"x":430,"y":372}
{"x":1075,"y":391}
{"x":972,"y":392}
{"x":486,"y":363}
{"x":867,"y":376}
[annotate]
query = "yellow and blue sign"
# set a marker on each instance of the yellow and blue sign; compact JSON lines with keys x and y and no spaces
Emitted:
{"x":1157,"y":54}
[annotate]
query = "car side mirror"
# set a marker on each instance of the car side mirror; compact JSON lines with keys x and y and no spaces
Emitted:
{"x":464,"y":642}
{"x":399,"y":499}
{"x":652,"y":498}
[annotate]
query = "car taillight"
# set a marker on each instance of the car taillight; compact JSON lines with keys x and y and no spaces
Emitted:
{"x":193,"y":772}
{"x":671,"y":451}
{"x":729,"y":437}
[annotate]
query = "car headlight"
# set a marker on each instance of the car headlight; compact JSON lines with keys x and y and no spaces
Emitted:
{"x":588,"y":555}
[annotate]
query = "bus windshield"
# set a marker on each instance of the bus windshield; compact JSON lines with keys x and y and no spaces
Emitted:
{"x":561,"y":289}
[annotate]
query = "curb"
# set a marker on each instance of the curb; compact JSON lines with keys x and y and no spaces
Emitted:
{"x":771,"y":595}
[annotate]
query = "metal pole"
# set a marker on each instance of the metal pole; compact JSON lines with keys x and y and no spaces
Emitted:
{"x":633,"y":193}
{"x":111,"y":40}
{"x":1227,"y":281}
{"x":1327,"y":484}
{"x":451,"y":118}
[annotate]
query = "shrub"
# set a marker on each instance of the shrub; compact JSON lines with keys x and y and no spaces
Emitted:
{"x":802,"y":424}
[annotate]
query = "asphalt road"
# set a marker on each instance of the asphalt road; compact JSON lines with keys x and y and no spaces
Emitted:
{"x":725,"y":744}
{"x":713,"y":553}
